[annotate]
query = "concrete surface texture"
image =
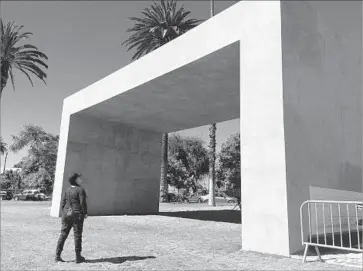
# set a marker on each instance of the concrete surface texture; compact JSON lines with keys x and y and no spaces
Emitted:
{"x":180,"y":99}
{"x":291,"y":70}
{"x":121,"y":165}
{"x":317,"y":193}
{"x":322,"y":75}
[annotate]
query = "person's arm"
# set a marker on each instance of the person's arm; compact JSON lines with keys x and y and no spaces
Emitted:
{"x":64,"y":200}
{"x":83,"y":201}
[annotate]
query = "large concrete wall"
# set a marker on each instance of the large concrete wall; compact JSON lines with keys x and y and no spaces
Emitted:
{"x":322,"y":81}
{"x":318,"y":193}
{"x":121,"y":166}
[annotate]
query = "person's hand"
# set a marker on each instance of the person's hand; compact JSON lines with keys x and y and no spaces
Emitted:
{"x":85,"y":216}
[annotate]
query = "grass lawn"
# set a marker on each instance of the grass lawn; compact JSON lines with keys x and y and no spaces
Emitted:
{"x":174,"y":240}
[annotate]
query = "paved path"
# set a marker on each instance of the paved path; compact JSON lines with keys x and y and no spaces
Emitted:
{"x":162,"y":242}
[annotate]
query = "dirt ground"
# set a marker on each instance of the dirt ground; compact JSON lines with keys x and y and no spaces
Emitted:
{"x":182,"y":237}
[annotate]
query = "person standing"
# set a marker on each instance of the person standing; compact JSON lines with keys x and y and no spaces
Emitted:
{"x":74,"y":211}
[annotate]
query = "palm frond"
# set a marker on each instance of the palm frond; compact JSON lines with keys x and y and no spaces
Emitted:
{"x":27,"y":75}
{"x":12,"y":77}
{"x":24,"y":57}
{"x":158,"y":24}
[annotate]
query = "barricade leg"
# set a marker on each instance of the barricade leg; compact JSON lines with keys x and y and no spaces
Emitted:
{"x":305,"y":252}
{"x":318,"y":253}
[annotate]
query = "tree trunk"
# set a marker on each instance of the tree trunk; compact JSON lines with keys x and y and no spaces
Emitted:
{"x":212,"y":159}
{"x":18,"y":183}
{"x":6,"y":157}
{"x":212,"y":146}
{"x":1,"y":91}
{"x":164,"y":168}
{"x":211,"y":8}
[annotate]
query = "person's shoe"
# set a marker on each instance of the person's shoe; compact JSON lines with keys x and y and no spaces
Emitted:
{"x":58,"y":257}
{"x":79,"y":258}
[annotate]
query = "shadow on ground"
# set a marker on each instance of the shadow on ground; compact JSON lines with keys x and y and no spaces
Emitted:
{"x":229,"y":216}
{"x":323,"y":251}
{"x":119,"y":260}
{"x":337,"y":239}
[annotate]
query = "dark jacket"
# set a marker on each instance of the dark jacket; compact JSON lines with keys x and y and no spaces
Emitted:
{"x":75,"y":198}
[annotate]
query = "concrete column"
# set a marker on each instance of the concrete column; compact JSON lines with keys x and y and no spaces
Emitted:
{"x":121,"y":167}
{"x":265,"y":225}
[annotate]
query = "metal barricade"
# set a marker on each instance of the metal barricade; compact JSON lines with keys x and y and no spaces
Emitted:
{"x":331,"y":224}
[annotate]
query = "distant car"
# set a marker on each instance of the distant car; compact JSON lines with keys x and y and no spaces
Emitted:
{"x":42,"y":197}
{"x":6,"y":195}
{"x":196,"y":197}
{"x":27,"y":195}
{"x":220,"y":197}
{"x":170,"y":197}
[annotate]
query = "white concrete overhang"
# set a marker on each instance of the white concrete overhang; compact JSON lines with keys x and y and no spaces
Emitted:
{"x":195,"y":79}
{"x":200,"y":93}
{"x":192,"y":81}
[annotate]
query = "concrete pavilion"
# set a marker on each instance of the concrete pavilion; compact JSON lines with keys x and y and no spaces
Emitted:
{"x":291,"y":71}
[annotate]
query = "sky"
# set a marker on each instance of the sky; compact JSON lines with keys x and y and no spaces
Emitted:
{"x":82,"y":40}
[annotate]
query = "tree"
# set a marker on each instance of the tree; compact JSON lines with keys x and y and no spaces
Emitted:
{"x":3,"y":150}
{"x":164,"y":168}
{"x":229,"y":162}
{"x":177,"y":173}
{"x":38,"y":168}
{"x":11,"y":180}
{"x":6,"y":157}
{"x":5,"y":183}
{"x":3,"y":146}
{"x":191,"y":151}
{"x":188,"y":160}
{"x":212,"y":163}
{"x":161,"y":23}
{"x":18,"y":165}
{"x":25,"y":58}
{"x":212,"y":146}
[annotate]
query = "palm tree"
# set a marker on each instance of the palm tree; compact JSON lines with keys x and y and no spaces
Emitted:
{"x":25,"y":58}
{"x":161,"y":23}
{"x":212,"y":146}
{"x":212,"y":162}
{"x":164,"y":168}
{"x":3,"y":150}
{"x":3,"y":146}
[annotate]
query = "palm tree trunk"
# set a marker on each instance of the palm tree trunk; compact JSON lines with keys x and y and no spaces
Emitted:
{"x":212,"y":159}
{"x":6,"y":157}
{"x":18,"y":183}
{"x":212,"y":146}
{"x":211,"y":8}
{"x":1,"y":92}
{"x":164,"y":168}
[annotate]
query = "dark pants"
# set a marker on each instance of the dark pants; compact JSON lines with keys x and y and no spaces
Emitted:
{"x":76,"y":221}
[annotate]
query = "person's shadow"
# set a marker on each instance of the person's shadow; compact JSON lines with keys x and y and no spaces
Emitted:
{"x":119,"y":260}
